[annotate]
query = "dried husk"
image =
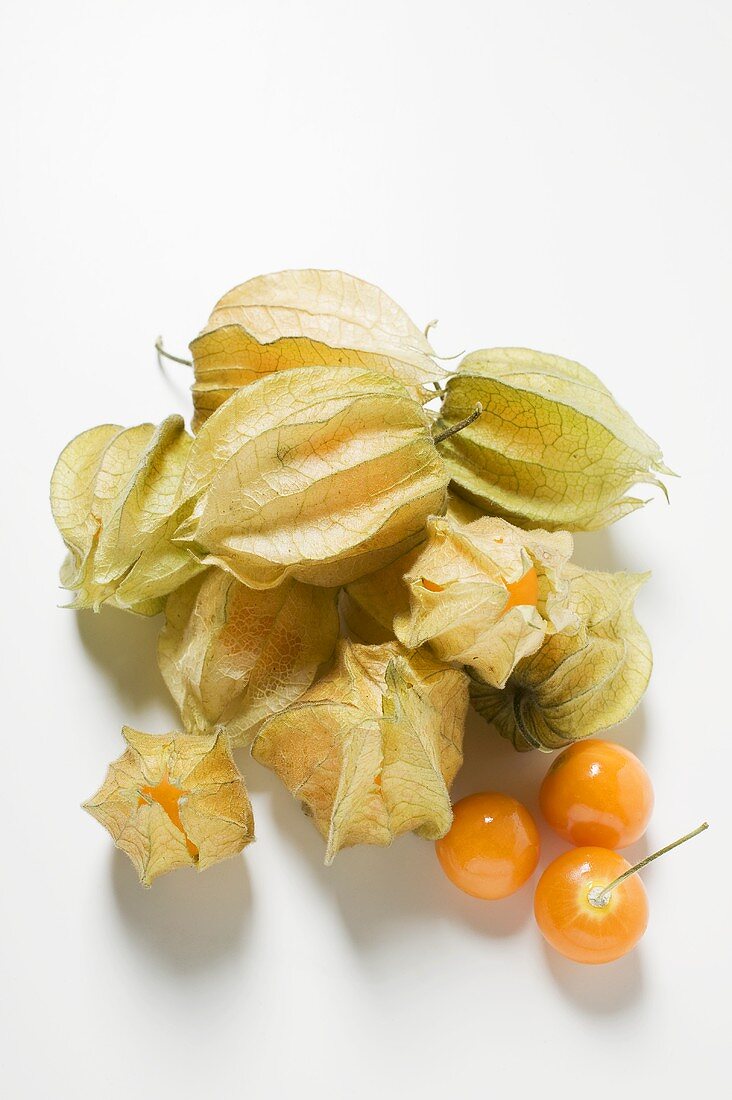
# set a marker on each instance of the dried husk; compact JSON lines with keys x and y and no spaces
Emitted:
{"x":552,"y":448}
{"x":465,"y":596}
{"x":459,"y":593}
{"x":233,"y":656}
{"x":305,"y":318}
{"x":370,"y":604}
{"x":461,"y":510}
{"x":318,"y":473}
{"x":372,"y":748}
{"x":113,"y":497}
{"x":214,"y":815}
{"x":577,"y":684}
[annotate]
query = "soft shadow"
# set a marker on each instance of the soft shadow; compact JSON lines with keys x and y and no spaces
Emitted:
{"x":258,"y":778}
{"x":602,"y":990}
{"x":631,"y":733}
{"x":186,"y":921}
{"x":493,"y":764}
{"x":383,"y":892}
{"x":124,"y":646}
{"x":379,"y":892}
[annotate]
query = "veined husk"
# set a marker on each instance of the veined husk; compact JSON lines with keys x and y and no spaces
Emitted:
{"x":454,"y":593}
{"x":305,"y":318}
{"x":576,"y":685}
{"x":459,"y":593}
{"x":370,"y":603}
{"x":317,"y":473}
{"x":233,"y":656}
{"x":214,"y":814}
{"x":551,"y":449}
{"x":372,"y":748}
{"x":461,"y":510}
{"x":113,"y":497}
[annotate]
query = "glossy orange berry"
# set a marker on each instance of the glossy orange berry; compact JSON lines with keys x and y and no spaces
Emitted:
{"x":597,"y":793}
{"x":572,"y":924}
{"x":524,"y":592}
{"x":167,"y":795}
{"x":492,"y":847}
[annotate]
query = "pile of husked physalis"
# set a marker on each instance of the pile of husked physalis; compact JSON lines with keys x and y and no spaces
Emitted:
{"x":343,"y":571}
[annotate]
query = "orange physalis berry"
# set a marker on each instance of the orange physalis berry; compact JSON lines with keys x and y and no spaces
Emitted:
{"x":597,"y":793}
{"x":591,"y":906}
{"x":492,"y":847}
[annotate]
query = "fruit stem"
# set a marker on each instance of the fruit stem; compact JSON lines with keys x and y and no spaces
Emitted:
{"x":599,"y":896}
{"x":460,"y":425}
{"x":166,"y":354}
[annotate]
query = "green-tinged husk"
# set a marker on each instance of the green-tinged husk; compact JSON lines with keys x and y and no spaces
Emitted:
{"x":577,"y":684}
{"x":552,"y":448}
{"x":114,"y":499}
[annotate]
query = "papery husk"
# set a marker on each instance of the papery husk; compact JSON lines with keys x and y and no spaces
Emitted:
{"x":580,"y":684}
{"x":233,"y":656}
{"x":319,"y":473}
{"x":214,"y":812}
{"x":451,"y":593}
{"x":552,"y":448}
{"x":305,"y":318}
{"x":361,"y":626}
{"x":461,"y":510}
{"x":372,"y":748}
{"x":371,"y":603}
{"x":114,"y":499}
{"x":459,"y":594}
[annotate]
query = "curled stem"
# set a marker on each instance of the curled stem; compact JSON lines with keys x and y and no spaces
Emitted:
{"x":460,"y":424}
{"x":428,"y":327}
{"x":599,"y":896}
{"x":447,"y":358}
{"x":162,"y":353}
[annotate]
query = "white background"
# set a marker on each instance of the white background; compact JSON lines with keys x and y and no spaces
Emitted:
{"x":555,"y":175}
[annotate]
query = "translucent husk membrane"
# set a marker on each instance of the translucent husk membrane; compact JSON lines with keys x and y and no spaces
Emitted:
{"x":553,"y":449}
{"x":114,"y":499}
{"x":314,"y":467}
{"x":481,"y":593}
{"x":322,"y":474}
{"x":174,"y":800}
{"x":233,"y":656}
{"x":372,"y":748}
{"x":305,"y":318}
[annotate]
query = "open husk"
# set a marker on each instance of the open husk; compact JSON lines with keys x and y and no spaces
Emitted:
{"x":483,"y":594}
{"x":174,"y":800}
